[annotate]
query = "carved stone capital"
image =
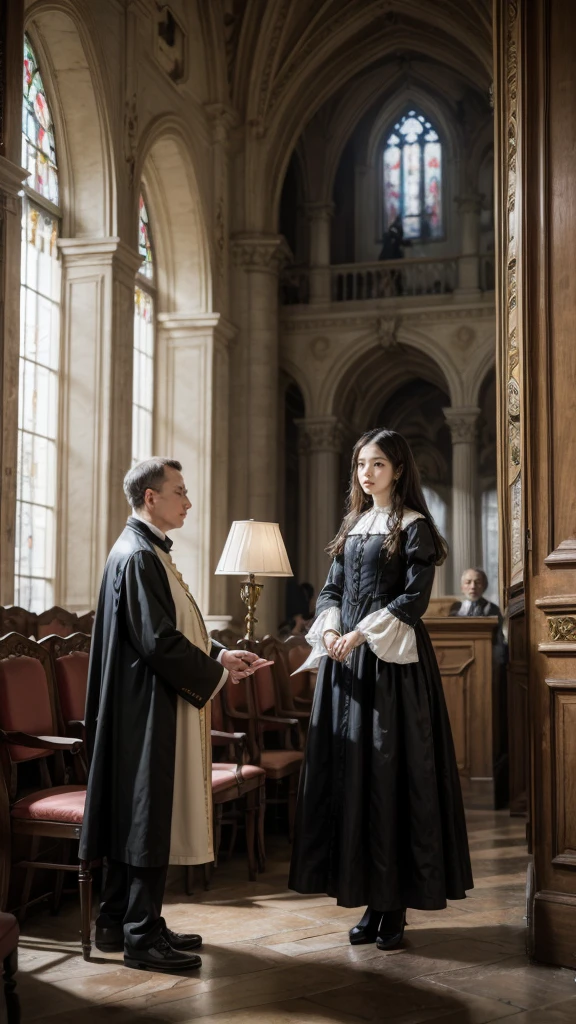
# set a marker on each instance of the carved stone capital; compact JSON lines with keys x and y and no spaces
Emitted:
{"x":318,"y":211}
{"x":463,"y":423}
{"x":222,"y":120}
{"x":321,"y":435}
{"x":261,"y":252}
{"x":471,"y":203}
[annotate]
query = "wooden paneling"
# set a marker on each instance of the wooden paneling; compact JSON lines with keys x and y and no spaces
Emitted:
{"x":464,"y":651}
{"x":535,"y":100}
{"x":518,"y":730}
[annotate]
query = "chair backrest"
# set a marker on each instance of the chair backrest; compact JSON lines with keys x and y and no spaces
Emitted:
{"x":27,"y":700}
{"x":217,"y":713}
{"x":86,"y":622}
{"x":228,"y":637}
{"x":301,"y":683}
{"x":17,"y":620}
{"x":70,"y":657}
{"x":264,"y":690}
{"x":56,"y":621}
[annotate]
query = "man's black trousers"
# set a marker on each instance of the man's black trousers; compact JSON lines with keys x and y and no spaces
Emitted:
{"x":132,"y":897}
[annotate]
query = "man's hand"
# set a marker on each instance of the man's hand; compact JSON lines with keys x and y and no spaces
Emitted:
{"x":242,"y":663}
{"x":345,"y":644}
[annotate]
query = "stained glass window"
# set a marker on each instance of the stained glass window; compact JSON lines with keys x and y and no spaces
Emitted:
{"x":145,"y":241}
{"x":413,"y":178}
{"x":39,"y":353}
{"x":38,"y":148}
{"x":144,"y":345}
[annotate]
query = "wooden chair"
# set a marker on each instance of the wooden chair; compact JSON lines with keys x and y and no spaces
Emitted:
{"x":29,"y":732}
{"x":69,"y":657}
{"x":57,"y":621}
{"x":250,"y":702}
{"x":9,"y":934}
{"x":286,"y":704}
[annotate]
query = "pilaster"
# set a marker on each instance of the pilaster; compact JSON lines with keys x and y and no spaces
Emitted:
{"x":96,"y":409}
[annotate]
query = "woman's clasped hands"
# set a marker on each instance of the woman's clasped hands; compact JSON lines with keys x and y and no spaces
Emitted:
{"x":339,"y":647}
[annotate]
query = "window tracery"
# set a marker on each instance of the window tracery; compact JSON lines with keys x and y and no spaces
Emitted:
{"x":412,"y":168}
{"x":39,"y":363}
{"x":144,"y":343}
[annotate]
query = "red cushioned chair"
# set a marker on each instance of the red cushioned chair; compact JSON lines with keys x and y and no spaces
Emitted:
{"x":69,"y":657}
{"x":252,"y":706}
{"x":29,"y":731}
{"x":9,"y":934}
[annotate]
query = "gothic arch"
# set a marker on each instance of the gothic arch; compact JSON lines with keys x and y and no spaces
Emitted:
{"x":166,"y":166}
{"x":61,"y":36}
{"x":361,"y":349}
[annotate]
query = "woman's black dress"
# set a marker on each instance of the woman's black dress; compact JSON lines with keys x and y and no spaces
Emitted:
{"x":380,"y":819}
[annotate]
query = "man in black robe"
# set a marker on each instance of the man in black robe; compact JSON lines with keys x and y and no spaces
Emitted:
{"x":140,"y":666}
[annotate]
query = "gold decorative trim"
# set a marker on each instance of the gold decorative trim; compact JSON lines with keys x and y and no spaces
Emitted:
{"x":562,"y":628}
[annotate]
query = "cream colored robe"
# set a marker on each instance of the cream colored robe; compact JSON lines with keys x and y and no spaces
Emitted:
{"x":191,"y":837}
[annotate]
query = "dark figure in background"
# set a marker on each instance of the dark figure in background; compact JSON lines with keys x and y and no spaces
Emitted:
{"x":380,"y":819}
{"x":393,"y":249}
{"x":299,"y":609}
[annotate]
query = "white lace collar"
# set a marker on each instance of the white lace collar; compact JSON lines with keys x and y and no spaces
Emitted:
{"x":375,"y":520}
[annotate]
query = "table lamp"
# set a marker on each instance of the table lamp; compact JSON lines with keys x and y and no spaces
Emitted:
{"x":253,"y":549}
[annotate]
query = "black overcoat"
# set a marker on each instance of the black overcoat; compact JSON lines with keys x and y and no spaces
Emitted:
{"x":380,"y":819}
{"x":140,"y":664}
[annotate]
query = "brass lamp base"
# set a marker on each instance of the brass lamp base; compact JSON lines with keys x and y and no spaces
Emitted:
{"x":250,"y":592}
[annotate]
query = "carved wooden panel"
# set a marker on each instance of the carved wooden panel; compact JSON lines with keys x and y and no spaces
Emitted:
{"x":463,"y":648}
{"x":454,"y":661}
{"x":563,"y":749}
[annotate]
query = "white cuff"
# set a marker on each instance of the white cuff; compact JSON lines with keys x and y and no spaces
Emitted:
{"x":328,"y":619}
{"x":223,"y":679}
{"x":388,"y":638}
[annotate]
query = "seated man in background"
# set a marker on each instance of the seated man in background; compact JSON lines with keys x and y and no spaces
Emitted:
{"x":474,"y":584}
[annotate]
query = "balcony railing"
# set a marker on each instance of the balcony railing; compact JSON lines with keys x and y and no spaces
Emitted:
{"x":353,"y":282}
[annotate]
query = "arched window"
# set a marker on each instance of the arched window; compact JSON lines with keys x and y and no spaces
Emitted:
{"x":144,"y":342}
{"x":413,"y":178}
{"x":36,"y":495}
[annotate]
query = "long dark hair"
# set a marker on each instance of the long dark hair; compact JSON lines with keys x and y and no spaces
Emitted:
{"x":406,"y":493}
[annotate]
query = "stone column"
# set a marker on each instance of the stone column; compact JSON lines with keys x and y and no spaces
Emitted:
{"x":96,"y":402}
{"x":11,"y":178}
{"x":465,"y":499}
{"x":192,"y":425}
{"x":222,"y":120}
{"x":254,"y":393}
{"x":319,"y":216}
{"x":323,"y":438}
{"x":469,"y":208}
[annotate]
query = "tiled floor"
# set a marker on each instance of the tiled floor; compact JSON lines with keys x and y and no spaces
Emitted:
{"x":273,"y":957}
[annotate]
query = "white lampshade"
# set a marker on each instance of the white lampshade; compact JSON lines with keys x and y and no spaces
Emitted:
{"x":256,"y":548}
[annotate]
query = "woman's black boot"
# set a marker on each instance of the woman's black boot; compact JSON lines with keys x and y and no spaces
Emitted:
{"x":366,"y":929}
{"x":391,"y":929}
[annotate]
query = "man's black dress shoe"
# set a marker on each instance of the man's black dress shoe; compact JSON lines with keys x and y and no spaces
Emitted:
{"x":111,"y":940}
{"x":161,"y":957}
{"x":391,"y":929}
{"x":367,"y":928}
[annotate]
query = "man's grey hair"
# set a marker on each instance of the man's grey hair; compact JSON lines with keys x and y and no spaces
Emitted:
{"x":481,"y":573}
{"x":150,"y":473}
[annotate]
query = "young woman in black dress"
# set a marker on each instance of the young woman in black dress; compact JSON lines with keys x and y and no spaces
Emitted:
{"x":380,"y":819}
